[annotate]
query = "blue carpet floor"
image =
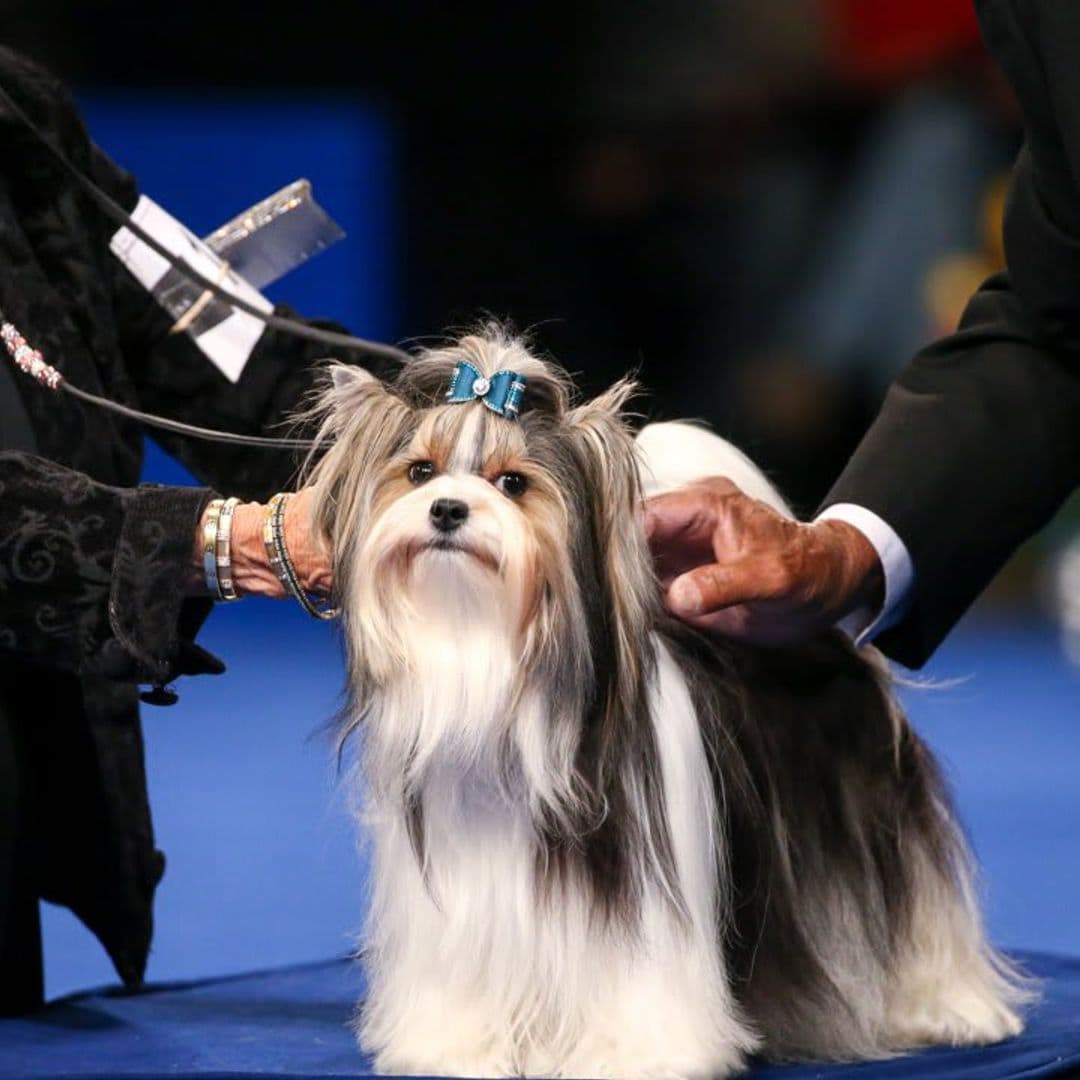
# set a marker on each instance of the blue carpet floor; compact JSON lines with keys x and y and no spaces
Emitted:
{"x":294,"y":1023}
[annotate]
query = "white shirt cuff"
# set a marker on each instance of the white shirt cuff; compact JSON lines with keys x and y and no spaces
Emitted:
{"x":864,"y":624}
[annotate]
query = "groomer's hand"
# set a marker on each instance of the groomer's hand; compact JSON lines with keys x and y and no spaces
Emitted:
{"x":252,"y":574}
{"x":733,"y":565}
{"x":309,"y":556}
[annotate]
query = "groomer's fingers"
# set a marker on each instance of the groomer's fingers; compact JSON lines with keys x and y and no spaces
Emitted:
{"x":708,"y":589}
{"x":732,"y":564}
{"x":761,"y":623}
{"x":733,"y":601}
{"x":681,"y":526}
{"x":812,"y":576}
{"x":752,"y":622}
{"x":687,"y":514}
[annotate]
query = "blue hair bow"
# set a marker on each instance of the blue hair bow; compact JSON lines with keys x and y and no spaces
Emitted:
{"x":501,"y":392}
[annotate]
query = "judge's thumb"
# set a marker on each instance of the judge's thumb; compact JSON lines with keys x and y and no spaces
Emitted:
{"x":710,"y":588}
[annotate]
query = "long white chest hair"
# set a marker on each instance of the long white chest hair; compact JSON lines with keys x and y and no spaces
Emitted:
{"x":561,"y":788}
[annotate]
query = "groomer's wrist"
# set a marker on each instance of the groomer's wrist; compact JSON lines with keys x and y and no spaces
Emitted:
{"x":252,"y":573}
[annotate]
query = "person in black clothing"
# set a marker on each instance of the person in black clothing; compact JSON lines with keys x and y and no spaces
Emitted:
{"x":98,"y":582}
{"x":978,"y":441}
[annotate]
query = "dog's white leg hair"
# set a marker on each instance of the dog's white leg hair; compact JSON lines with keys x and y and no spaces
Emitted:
{"x":472,"y":974}
{"x":664,"y":1007}
{"x":950,"y":986}
{"x":675,"y":453}
{"x":447,"y":948}
{"x":441,"y":1000}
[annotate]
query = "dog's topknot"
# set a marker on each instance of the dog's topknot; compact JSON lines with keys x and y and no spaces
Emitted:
{"x":423,"y":382}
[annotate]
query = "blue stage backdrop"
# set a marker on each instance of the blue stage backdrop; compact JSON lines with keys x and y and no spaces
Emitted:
{"x":262,"y":868}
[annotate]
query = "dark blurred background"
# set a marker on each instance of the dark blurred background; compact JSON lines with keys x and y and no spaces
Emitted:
{"x":766,"y":206}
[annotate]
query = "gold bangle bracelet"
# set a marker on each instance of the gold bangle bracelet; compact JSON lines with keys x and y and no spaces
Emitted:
{"x":268,"y":539}
{"x":209,"y":547}
{"x":274,"y":539}
{"x":223,"y":550}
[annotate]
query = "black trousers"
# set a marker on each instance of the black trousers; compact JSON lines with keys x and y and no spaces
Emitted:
{"x":22,"y":983}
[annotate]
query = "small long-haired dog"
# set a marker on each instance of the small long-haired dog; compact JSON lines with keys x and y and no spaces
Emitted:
{"x":604,"y":844}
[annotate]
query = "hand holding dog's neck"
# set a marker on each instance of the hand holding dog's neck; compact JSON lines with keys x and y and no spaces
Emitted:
{"x":252,"y":574}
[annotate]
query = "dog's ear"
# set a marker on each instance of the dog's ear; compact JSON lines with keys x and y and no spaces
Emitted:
{"x":611,"y":403}
{"x":362,"y":424}
{"x":604,"y":449}
{"x":343,"y":375}
{"x":349,"y":397}
{"x":348,"y":381}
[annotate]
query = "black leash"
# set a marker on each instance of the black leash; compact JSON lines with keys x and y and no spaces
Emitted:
{"x":163,"y":422}
{"x":30,"y":361}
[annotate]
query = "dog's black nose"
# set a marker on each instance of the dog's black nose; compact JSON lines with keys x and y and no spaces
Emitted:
{"x":448,"y":514}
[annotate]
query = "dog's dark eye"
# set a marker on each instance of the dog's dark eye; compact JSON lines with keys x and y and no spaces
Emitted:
{"x":420,"y":472}
{"x":511,"y":483}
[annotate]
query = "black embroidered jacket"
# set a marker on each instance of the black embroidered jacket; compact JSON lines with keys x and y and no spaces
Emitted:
{"x":92,"y":567}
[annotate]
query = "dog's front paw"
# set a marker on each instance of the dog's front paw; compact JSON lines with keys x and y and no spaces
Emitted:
{"x":447,"y":1048}
{"x":597,"y":1059}
{"x":395,"y":1062}
{"x":957,"y":1023}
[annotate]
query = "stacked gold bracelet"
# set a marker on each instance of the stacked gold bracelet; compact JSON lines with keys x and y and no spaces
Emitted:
{"x":278,"y":555}
{"x":223,"y":550}
{"x":216,"y":550}
{"x":209,"y":548}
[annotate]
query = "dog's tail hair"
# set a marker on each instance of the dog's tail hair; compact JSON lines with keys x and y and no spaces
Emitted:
{"x":852,"y":896}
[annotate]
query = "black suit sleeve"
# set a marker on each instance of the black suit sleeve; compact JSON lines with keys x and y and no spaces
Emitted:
{"x":978,"y":442}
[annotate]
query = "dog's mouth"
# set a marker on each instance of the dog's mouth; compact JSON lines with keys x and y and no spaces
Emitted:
{"x":449,"y":546}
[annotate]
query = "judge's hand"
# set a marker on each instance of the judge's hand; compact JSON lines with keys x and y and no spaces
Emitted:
{"x":252,"y":574}
{"x":733,"y":565}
